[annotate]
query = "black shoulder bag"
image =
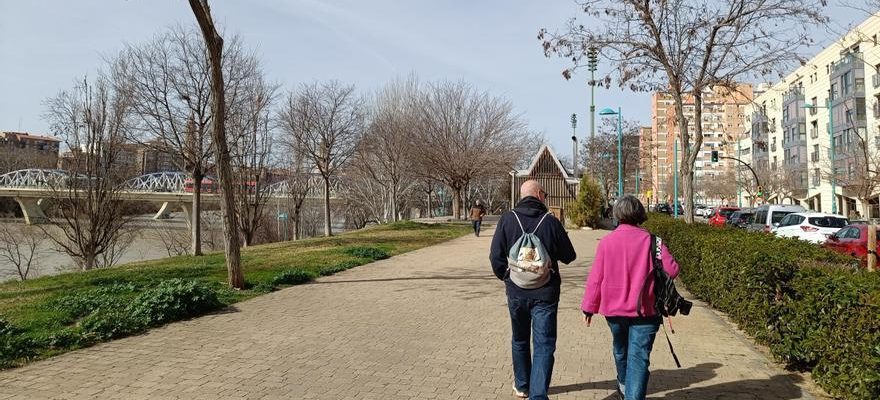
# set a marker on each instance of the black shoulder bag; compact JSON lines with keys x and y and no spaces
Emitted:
{"x":667,"y":300}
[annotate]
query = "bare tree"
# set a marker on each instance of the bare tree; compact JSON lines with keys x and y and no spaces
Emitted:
{"x":22,"y":247}
{"x":464,"y":133}
{"x":297,"y":183}
{"x":251,"y":156}
{"x":176,"y":243}
{"x":600,"y":156}
{"x":92,"y":118}
{"x":684,"y":48}
{"x":214,"y":43}
{"x":169,"y":80}
{"x":326,"y":121}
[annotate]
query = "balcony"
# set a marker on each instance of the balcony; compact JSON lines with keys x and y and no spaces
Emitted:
{"x":876,"y":80}
{"x":849,"y":61}
{"x":814,"y":157}
{"x":813,"y":110}
{"x":814,"y":133}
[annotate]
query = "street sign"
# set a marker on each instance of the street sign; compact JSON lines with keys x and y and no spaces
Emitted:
{"x":282,"y":215}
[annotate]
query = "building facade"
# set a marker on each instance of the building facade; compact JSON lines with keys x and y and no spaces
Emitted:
{"x":723,"y":122}
{"x":19,"y":150}
{"x":807,"y":163}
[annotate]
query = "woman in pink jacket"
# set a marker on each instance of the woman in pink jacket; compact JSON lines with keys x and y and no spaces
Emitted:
{"x":614,"y":285}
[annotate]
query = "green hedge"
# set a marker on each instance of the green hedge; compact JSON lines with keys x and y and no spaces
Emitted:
{"x":806,"y":303}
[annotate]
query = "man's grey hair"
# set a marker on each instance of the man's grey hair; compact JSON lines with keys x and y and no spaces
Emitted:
{"x":629,"y":210}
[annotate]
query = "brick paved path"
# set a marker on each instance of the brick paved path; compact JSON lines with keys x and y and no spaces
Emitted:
{"x":431,"y":324}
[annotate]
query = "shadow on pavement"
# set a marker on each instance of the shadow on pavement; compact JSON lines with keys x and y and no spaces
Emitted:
{"x":678,"y":381}
{"x":412,"y":278}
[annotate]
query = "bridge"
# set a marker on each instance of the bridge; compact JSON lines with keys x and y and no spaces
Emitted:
{"x":33,"y":188}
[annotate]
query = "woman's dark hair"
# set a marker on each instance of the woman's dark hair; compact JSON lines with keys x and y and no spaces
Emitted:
{"x":629,"y":210}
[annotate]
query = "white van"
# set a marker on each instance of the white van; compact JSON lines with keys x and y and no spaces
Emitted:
{"x":769,"y":214}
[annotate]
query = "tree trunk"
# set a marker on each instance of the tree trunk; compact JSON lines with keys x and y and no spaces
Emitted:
{"x":430,"y":211}
{"x":328,"y":230}
{"x":456,"y":203}
{"x":230,"y":227}
{"x":196,"y":214}
{"x":294,"y":222}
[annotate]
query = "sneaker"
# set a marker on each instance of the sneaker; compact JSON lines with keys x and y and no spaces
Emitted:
{"x":519,"y":393}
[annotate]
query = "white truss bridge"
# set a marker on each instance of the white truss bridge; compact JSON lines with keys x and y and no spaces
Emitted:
{"x":32,"y":187}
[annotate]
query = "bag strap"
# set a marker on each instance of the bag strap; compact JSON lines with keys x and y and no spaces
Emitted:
{"x":539,"y":223}
{"x":653,"y":260}
{"x":519,"y":222}
{"x":671,"y":350}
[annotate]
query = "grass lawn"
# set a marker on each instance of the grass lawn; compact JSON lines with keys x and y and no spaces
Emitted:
{"x":32,"y":307}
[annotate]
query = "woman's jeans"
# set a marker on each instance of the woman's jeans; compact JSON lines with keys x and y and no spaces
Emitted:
{"x":633,"y":341}
{"x":537,"y":317}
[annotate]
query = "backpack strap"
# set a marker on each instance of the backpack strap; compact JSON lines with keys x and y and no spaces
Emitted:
{"x":539,"y":223}
{"x":654,"y":257}
{"x":519,"y":222}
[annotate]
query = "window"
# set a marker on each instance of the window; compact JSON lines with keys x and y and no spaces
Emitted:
{"x":833,"y":91}
{"x":846,"y":82}
{"x":853,"y":233}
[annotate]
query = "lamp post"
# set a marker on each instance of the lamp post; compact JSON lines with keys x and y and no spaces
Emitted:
{"x":831,"y":140}
{"x":675,"y":180}
{"x":608,"y":111}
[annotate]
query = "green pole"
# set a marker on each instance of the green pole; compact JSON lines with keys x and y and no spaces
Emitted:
{"x":675,"y":180}
{"x":833,"y":164}
{"x":619,"y":154}
{"x":739,"y":192}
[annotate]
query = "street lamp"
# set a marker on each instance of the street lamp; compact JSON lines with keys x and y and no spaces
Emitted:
{"x":830,"y":139}
{"x":608,"y":111}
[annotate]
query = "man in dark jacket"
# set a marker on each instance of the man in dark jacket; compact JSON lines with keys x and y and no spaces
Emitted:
{"x":532,"y":310}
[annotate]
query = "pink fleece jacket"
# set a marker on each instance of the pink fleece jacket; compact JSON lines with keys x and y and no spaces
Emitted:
{"x":618,"y":273}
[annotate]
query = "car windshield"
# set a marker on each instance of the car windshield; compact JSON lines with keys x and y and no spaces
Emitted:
{"x":828,"y":222}
{"x":726,"y":213}
{"x":779,"y":215}
{"x":745,"y":216}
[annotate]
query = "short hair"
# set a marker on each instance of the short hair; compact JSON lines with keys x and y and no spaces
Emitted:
{"x":629,"y":210}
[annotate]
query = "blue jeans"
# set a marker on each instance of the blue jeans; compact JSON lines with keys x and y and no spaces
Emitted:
{"x":477,"y":224}
{"x":527,"y":316}
{"x":633,"y":340}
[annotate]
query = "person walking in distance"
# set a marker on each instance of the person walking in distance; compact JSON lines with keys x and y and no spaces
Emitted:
{"x":477,"y":213}
{"x":616,"y":288}
{"x":528,"y":244}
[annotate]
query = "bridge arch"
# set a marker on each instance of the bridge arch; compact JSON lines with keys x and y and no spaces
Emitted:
{"x":34,"y":178}
{"x":166,"y":182}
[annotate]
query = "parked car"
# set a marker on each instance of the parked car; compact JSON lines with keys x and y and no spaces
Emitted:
{"x":662,"y":208}
{"x":706,"y":212}
{"x":851,"y":240}
{"x":742,"y":218}
{"x":720,"y":215}
{"x":699,"y":209}
{"x":810,"y":226}
{"x":769,"y":214}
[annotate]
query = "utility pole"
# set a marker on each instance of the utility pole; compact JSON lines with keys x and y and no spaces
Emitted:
{"x":574,"y":145}
{"x":675,"y":180}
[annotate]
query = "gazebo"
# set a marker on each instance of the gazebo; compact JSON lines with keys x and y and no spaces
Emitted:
{"x":559,"y":182}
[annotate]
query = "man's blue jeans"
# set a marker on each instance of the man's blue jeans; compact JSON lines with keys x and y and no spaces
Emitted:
{"x":633,"y":340}
{"x":477,"y":224}
{"x":528,"y":316}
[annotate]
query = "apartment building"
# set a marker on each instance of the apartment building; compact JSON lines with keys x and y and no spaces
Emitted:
{"x":724,"y":121}
{"x":20,"y":150}
{"x":806,"y":162}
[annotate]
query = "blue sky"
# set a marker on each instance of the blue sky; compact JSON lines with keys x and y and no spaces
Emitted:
{"x":45,"y":45}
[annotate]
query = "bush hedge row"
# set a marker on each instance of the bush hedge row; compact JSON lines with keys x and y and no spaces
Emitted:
{"x":807,"y":304}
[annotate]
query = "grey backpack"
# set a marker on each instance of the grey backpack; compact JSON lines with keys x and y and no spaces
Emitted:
{"x":528,"y":261}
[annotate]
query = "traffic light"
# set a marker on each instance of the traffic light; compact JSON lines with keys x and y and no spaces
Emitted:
{"x":760,"y":191}
{"x":714,"y":155}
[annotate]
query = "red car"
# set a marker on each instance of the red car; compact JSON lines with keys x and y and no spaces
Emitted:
{"x":720,"y":215}
{"x":851,"y":240}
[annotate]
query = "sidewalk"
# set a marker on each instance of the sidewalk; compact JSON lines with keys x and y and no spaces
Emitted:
{"x":430,"y":324}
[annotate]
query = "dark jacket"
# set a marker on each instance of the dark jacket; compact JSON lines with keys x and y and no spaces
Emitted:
{"x":553,"y":236}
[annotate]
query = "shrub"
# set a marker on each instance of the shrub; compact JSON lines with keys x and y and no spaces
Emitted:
{"x":106,"y":324}
{"x":173,"y":300}
{"x":293,"y":277}
{"x":586,"y":210}
{"x":804,"y":302}
{"x":330,"y":270}
{"x":79,"y":304}
{"x":373,"y":253}
{"x":14,"y":344}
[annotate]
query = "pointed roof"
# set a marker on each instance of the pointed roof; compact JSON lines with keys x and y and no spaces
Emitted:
{"x":547,"y":149}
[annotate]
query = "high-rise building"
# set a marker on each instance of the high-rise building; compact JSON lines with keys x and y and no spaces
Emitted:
{"x":723,"y":122}
{"x":790,"y":140}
